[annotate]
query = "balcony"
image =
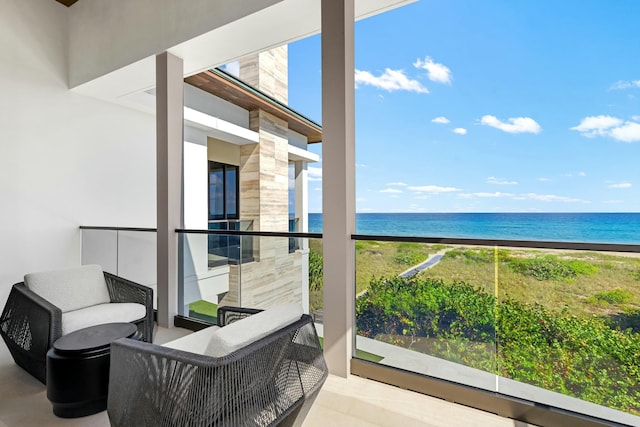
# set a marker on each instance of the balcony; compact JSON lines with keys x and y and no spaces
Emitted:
{"x":341,"y":402}
{"x":446,"y":330}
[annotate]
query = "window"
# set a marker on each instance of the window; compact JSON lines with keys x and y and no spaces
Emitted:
{"x":223,"y":191}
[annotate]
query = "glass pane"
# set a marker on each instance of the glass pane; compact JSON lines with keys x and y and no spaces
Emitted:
{"x":231,"y":191}
{"x":216,"y":193}
{"x":427,"y":308}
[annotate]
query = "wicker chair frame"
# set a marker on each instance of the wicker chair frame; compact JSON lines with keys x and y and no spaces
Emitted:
{"x":272,"y":381}
{"x":29,"y":324}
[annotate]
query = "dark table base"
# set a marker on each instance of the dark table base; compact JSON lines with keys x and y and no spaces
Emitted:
{"x":78,"y":382}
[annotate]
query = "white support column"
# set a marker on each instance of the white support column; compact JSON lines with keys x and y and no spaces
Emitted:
{"x":338,"y":182}
{"x":301,"y":201}
{"x":169,"y":152}
{"x":301,"y":198}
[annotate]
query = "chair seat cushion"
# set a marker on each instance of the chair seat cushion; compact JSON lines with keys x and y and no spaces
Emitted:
{"x":195,"y":342}
{"x":102,"y":313}
{"x":237,"y":335}
{"x":70,"y":289}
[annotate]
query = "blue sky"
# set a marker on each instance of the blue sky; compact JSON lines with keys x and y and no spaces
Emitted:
{"x":490,"y":106}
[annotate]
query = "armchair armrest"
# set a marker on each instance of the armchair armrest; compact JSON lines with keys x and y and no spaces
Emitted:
{"x":29,"y":325}
{"x":228,"y":314}
{"x":123,"y":290}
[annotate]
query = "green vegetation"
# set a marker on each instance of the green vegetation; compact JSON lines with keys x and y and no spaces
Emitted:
{"x":614,"y":296}
{"x":204,"y":310}
{"x":550,"y":267}
{"x":566,"y":321}
{"x":581,"y":356}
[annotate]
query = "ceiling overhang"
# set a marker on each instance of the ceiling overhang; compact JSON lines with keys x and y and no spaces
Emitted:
{"x":281,"y":23}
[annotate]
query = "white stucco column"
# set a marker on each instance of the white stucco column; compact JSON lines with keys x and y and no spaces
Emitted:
{"x":338,"y":182}
{"x":169,"y":153}
{"x":301,"y":197}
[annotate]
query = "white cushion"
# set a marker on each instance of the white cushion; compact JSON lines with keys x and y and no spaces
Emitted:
{"x":102,"y":313}
{"x":70,"y":289}
{"x":239,"y":334}
{"x":195,"y":342}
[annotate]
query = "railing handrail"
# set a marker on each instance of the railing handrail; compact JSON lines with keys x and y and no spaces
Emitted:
{"x":251,"y":233}
{"x":109,"y":228}
{"x":535,"y":244}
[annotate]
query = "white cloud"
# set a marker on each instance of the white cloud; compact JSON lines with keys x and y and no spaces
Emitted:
{"x":500,"y":181}
{"x":436,"y":72}
{"x":613,"y":127}
{"x":544,"y":179}
{"x":390,"y":80}
{"x":621,"y":185}
{"x":460,"y":131}
{"x":391,"y":190}
{"x":629,"y":132}
{"x":596,"y":125}
{"x":524,"y":196}
{"x":548,"y":198}
{"x":314,"y":173}
{"x":441,"y":119}
{"x":496,"y":194}
{"x":582,"y":174}
{"x":397,"y":184}
{"x":625,"y":84}
{"x":433,"y":189}
{"x":512,"y":125}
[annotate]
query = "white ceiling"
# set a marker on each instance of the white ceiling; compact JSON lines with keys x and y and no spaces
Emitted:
{"x":281,"y":23}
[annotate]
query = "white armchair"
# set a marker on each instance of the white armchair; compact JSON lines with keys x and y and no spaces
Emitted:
{"x":48,"y":305}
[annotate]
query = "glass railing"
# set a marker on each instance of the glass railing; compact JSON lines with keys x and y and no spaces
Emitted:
{"x":556,"y":325}
{"x":295,"y":243}
{"x":269,"y":273}
{"x":126,"y":252}
{"x":225,"y":249}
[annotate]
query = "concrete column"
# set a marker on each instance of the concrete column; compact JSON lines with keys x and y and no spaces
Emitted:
{"x":302,"y":213}
{"x":301,"y":199}
{"x":338,"y":182}
{"x":169,"y":159}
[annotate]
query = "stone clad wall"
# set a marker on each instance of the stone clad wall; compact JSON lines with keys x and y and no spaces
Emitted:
{"x":275,"y":275}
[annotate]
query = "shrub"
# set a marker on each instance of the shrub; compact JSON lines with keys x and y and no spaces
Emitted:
{"x":580,"y":356}
{"x":614,"y":296}
{"x":549,"y":267}
{"x":316,"y":271}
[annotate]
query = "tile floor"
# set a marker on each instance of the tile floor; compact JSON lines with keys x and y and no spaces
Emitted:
{"x":351,"y":402}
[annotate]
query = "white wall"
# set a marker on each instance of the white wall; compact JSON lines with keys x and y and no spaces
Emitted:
{"x":65,"y":160}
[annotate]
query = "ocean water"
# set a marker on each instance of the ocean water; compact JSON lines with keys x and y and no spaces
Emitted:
{"x":620,"y":228}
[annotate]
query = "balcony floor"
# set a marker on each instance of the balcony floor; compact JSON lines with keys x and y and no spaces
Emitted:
{"x":354,"y":402}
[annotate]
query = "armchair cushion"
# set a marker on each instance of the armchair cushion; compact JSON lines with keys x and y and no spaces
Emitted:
{"x":70,"y":289}
{"x":102,"y":313}
{"x":196,"y":342}
{"x":237,"y":335}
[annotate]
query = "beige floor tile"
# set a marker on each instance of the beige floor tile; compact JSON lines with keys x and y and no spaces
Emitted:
{"x":352,"y":402}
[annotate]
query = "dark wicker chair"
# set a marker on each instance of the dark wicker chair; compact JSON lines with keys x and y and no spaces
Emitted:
{"x":29,"y":324}
{"x":271,"y":381}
